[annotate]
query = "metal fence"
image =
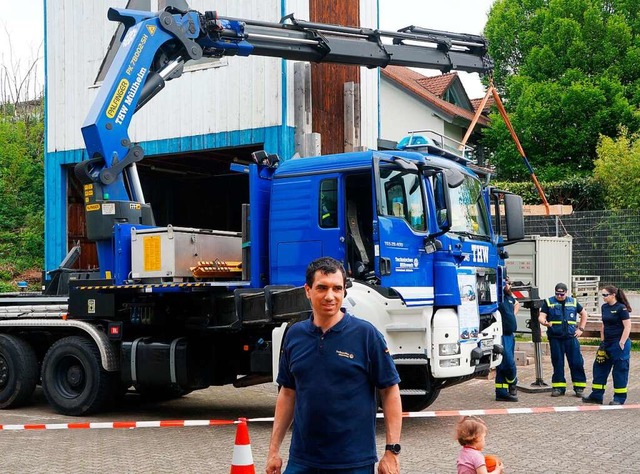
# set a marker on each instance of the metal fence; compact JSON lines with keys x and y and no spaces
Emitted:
{"x":605,"y":243}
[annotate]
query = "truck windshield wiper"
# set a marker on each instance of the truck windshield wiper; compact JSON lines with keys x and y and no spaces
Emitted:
{"x":471,"y":235}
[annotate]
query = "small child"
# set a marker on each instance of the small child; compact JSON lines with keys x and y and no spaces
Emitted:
{"x":471,"y":433}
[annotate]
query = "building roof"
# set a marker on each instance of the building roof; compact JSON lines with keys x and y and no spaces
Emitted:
{"x":490,"y":103}
{"x":432,"y":90}
{"x":437,"y":85}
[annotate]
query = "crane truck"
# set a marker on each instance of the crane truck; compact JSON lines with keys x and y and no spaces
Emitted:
{"x":175,"y":309}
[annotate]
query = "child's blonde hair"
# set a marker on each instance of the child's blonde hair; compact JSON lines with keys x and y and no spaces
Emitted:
{"x":469,"y":429}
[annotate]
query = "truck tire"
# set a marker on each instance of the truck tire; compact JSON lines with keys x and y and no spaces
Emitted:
{"x":18,"y":371}
{"x":418,"y":378}
{"x":73,"y":379}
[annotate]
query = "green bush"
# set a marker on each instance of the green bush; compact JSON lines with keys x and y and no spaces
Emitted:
{"x":617,"y":169}
{"x":21,"y":196}
{"x":583,"y":193}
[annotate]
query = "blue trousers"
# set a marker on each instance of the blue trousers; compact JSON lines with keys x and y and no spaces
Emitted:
{"x":506,"y":373}
{"x":569,"y":348}
{"x":618,"y":360}
{"x":293,"y":468}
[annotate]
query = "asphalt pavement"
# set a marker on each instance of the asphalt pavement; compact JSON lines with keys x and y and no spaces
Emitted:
{"x":548,"y":441}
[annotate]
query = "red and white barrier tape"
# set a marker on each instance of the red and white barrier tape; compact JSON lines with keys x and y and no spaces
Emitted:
{"x":192,"y":423}
{"x":116,"y":425}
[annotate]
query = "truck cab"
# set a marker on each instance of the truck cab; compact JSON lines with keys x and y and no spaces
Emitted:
{"x":414,"y":233}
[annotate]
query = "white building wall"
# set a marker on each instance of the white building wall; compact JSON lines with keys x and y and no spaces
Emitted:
{"x":401,"y":112}
{"x":241,"y":93}
{"x":369,"y":80}
{"x":300,"y":9}
{"x":238,"y":94}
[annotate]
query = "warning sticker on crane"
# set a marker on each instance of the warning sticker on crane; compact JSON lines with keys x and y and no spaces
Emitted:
{"x":152,"y":253}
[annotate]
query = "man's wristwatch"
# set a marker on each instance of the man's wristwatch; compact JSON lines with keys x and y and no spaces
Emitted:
{"x":581,"y":329}
{"x":394,"y":448}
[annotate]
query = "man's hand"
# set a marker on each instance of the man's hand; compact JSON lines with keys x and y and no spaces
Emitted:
{"x":274,"y":464}
{"x":389,"y":464}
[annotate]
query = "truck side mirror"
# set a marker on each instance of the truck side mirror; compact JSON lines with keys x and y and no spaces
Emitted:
{"x":454,"y":177}
{"x":514,"y":217}
{"x":443,"y":202}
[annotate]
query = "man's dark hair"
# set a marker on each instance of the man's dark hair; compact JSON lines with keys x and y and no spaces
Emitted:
{"x":326,"y":265}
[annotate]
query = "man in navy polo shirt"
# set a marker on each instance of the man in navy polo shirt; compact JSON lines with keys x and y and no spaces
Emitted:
{"x":330,"y":368}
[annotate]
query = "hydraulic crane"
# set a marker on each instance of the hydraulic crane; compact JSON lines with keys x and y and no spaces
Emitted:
{"x":154,"y":49}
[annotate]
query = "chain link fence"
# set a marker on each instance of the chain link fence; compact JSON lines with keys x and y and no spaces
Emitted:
{"x":605,"y":243}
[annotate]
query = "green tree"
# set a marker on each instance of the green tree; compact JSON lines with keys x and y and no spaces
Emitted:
{"x":568,"y":72}
{"x":618,"y":169}
{"x":21,"y":193}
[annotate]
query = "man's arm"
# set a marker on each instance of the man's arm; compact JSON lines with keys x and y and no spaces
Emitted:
{"x":282,"y":420}
{"x":583,"y":320}
{"x":392,"y":409}
{"x":542,"y":319}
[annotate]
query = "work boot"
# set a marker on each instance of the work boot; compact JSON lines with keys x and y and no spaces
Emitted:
{"x":556,"y":392}
{"x":591,"y":400}
{"x":506,"y":398}
{"x":579,"y":391}
{"x":615,"y":402}
{"x":513,"y":390}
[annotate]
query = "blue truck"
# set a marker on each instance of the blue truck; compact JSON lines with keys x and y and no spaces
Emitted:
{"x":420,"y":231}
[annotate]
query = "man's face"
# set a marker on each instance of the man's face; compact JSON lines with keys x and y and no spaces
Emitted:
{"x":561,"y":295}
{"x":326,"y":294}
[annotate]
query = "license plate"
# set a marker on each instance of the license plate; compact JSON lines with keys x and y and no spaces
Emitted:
{"x":486,"y":344}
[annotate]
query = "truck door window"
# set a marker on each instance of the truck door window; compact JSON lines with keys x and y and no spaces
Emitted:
{"x":328,"y":203}
{"x":403,"y":198}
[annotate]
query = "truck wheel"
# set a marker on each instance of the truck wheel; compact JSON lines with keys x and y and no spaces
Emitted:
{"x":18,"y":371}
{"x":73,"y":379}
{"x":416,"y":379}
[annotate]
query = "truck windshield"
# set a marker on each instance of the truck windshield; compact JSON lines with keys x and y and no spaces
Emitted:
{"x":468,"y":210}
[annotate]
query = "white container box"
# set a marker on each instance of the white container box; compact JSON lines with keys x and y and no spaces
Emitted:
{"x":542,"y":262}
{"x":169,"y":252}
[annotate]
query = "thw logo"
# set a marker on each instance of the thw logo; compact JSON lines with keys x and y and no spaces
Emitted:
{"x":480,"y":253}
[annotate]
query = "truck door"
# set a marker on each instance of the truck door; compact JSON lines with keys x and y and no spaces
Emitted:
{"x":400,"y":228}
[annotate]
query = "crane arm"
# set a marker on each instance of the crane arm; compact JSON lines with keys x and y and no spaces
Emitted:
{"x":154,"y":48}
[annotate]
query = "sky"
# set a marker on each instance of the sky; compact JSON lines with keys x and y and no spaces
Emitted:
{"x":22,"y":27}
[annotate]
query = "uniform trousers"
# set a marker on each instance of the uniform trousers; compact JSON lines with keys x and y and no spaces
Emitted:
{"x":570,"y":348}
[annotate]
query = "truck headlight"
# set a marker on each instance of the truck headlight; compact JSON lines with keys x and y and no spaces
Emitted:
{"x":450,"y":363}
{"x":449,"y":349}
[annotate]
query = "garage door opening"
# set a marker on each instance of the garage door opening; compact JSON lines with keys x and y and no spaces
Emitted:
{"x":193,"y":189}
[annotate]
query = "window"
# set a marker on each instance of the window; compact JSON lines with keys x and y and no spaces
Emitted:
{"x":328,"y":203}
{"x":468,"y":210}
{"x":403,"y":197}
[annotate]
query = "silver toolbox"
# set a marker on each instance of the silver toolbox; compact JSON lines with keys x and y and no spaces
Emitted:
{"x":168,"y":252}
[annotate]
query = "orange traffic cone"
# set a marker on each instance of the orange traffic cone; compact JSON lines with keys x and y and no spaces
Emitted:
{"x":242,"y":462}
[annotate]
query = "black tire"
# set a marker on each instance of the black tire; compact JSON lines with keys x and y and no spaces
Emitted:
{"x":73,"y":379}
{"x":18,"y":371}
{"x":417,"y":377}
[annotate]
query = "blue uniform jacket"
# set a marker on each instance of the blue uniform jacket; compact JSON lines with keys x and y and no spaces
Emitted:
{"x":563,"y":317}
